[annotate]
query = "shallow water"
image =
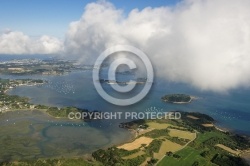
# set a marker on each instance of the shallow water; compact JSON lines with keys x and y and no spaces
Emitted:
{"x":34,"y":134}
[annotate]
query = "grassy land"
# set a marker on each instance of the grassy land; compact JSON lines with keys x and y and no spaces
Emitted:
{"x":201,"y":137}
{"x":188,"y":156}
{"x":203,"y":151}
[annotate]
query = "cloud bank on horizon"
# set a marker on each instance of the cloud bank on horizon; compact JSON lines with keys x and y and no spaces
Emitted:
{"x":205,"y":43}
{"x":14,"y":42}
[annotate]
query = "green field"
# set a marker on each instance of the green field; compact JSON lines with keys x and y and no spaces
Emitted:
{"x":201,"y":137}
{"x":188,"y":157}
{"x":191,"y":155}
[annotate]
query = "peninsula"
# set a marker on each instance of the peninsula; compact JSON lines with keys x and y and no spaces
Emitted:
{"x":193,"y":140}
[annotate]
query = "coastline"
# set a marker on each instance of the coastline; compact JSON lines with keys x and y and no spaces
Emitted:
{"x":133,"y":136}
{"x":19,"y":85}
{"x":222,"y":129}
{"x":244,"y":154}
{"x":230,"y":130}
{"x":132,"y":131}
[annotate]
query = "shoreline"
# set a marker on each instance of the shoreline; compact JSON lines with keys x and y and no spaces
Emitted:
{"x":231,"y":131}
{"x":224,"y":130}
{"x":20,"y":85}
{"x":133,"y":136}
{"x":133,"y":132}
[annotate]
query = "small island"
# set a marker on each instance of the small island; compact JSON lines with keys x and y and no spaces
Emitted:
{"x":177,"y":98}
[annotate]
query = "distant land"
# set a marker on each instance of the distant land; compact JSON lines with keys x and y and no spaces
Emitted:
{"x":40,"y":67}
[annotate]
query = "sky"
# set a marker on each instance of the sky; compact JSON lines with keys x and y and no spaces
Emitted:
{"x":52,"y":17}
{"x":204,"y":43}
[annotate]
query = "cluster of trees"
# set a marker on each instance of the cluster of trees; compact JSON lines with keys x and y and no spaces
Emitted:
{"x":123,"y":152}
{"x":196,"y":163}
{"x":229,"y":142}
{"x":171,"y":154}
{"x":242,"y":142}
{"x":206,"y":154}
{"x":152,"y":161}
{"x":134,"y":124}
{"x":41,"y":107}
{"x":157,"y":133}
{"x":154,"y":146}
{"x":225,"y":160}
{"x":63,"y":112}
{"x":135,"y":161}
{"x":196,"y":124}
{"x":219,"y":156}
{"x":113,"y":156}
{"x":107,"y":157}
{"x":181,"y":141}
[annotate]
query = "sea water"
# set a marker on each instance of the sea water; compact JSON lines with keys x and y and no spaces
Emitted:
{"x":64,"y":137}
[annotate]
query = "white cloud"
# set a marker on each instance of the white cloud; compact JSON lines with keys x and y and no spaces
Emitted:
{"x":13,"y":42}
{"x":97,"y":28}
{"x":202,"y":42}
{"x":205,"y":43}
